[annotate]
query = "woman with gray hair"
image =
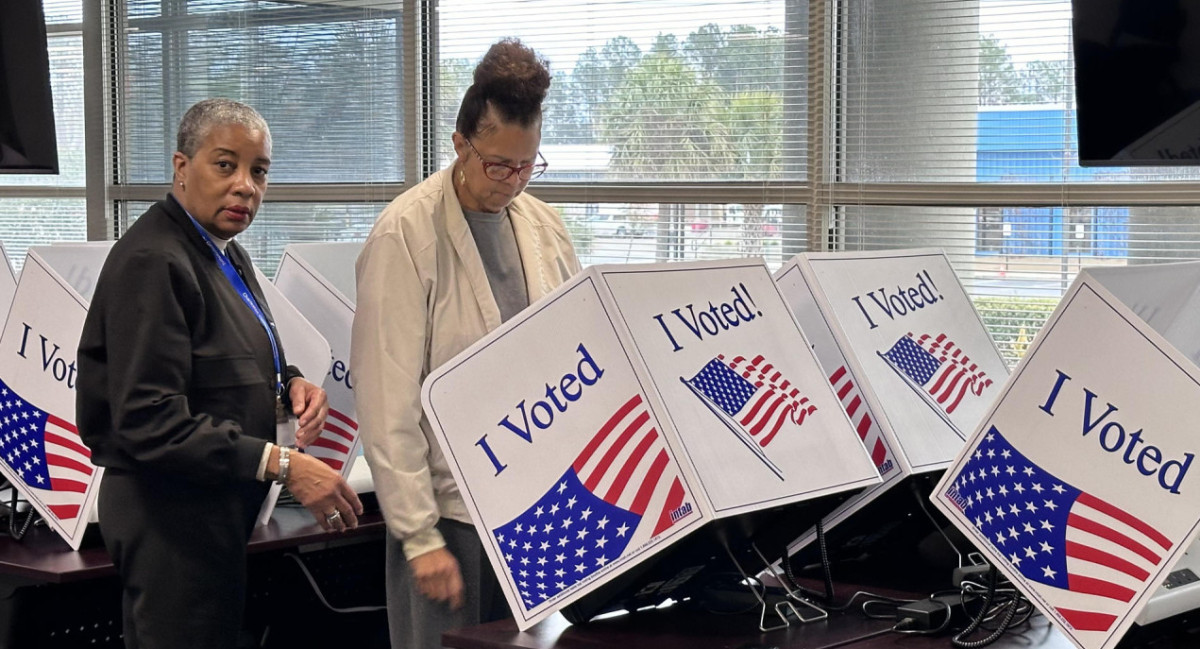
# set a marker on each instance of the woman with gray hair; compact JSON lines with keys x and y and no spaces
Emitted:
{"x":182,"y":378}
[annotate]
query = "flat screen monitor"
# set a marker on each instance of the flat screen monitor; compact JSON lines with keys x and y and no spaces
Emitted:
{"x":27,"y":138}
{"x":1137,"y":81}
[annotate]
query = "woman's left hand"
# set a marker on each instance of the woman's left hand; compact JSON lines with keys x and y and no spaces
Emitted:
{"x":310,"y":404}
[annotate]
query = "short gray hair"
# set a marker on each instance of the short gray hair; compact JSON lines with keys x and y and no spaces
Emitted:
{"x":208,"y":114}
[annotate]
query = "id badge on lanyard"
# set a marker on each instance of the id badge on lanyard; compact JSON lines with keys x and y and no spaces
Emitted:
{"x":243,"y":291}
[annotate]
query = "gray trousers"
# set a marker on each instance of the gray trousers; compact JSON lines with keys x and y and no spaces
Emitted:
{"x":416,"y":622}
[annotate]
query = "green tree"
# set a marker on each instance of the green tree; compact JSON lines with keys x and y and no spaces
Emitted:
{"x":705,"y":49}
{"x":596,"y":76}
{"x":1049,"y":82}
{"x":707,"y":108}
{"x":1003,"y":83}
{"x":998,"y":79}
{"x":757,"y":141}
{"x":565,"y":118}
{"x":752,"y":59}
{"x":664,"y":122}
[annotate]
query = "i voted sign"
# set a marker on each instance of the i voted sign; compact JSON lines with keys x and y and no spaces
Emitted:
{"x":627,"y":409}
{"x":1079,"y":482}
{"x":41,"y":453}
{"x":567,"y":467}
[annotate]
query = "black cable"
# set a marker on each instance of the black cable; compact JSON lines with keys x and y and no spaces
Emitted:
{"x":827,"y":603}
{"x":1004,"y":597}
{"x":875,"y":634}
{"x":826,"y":564}
{"x":826,"y":571}
{"x":793,"y":584}
{"x":1010,"y":609}
{"x":16,"y":534}
{"x":912,"y":485}
{"x":312,"y":582}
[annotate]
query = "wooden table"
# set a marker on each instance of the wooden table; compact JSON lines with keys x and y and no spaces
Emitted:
{"x":676,"y":627}
{"x":680,"y":628}
{"x":43,"y":557}
{"x":52,"y":597}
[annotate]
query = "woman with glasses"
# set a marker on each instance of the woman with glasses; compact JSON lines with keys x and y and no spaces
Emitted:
{"x":447,"y":262}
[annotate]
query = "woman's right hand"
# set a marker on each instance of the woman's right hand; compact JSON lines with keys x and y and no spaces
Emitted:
{"x":323,"y":492}
{"x":439,"y":577}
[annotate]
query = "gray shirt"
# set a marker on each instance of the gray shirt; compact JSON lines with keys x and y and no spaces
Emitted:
{"x":497,"y":244}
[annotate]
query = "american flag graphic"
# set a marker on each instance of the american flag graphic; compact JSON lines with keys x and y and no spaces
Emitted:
{"x":585,"y":520}
{"x":758,"y":401}
{"x":46,"y":453}
{"x":860,"y":415}
{"x":938,"y":366}
{"x":1092,"y":556}
{"x":336,"y":440}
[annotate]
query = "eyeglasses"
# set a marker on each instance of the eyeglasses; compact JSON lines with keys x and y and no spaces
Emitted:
{"x":499,"y":171}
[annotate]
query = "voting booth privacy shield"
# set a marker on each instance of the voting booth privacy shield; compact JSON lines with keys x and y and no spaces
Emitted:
{"x":904,"y":348}
{"x":1078,"y":483}
{"x":305,"y":348}
{"x":627,"y":409}
{"x":40,"y":449}
{"x":318,"y":279}
{"x":41,"y":453}
{"x":8,"y":280}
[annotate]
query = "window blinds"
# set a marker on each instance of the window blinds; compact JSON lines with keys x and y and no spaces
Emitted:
{"x":952,"y":125}
{"x":674,"y":129}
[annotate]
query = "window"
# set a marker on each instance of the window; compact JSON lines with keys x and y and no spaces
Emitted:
{"x":327,"y":77}
{"x":952,"y":125}
{"x":681,"y":100}
{"x":655,"y":91}
{"x":619,"y":233}
{"x":675,"y":130}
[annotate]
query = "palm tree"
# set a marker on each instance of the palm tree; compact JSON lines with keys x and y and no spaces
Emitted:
{"x":664,"y":124}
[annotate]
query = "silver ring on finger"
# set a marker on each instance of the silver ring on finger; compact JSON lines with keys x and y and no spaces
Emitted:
{"x":333,"y":517}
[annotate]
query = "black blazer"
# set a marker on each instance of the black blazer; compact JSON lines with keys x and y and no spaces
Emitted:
{"x":176,"y":375}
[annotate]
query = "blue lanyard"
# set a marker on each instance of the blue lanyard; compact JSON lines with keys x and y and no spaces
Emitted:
{"x":239,"y":285}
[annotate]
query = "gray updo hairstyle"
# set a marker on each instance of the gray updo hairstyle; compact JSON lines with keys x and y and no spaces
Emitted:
{"x":208,"y":114}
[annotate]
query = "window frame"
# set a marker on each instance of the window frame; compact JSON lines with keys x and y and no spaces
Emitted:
{"x":820,"y":195}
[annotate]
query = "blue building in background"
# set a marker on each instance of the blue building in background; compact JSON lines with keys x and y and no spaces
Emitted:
{"x":1027,"y":144}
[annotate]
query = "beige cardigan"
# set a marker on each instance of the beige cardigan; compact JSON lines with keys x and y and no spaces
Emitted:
{"x":423,"y":296}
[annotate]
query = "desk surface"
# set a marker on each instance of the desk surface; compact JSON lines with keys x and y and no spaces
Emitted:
{"x":43,"y":556}
{"x":684,"y":629}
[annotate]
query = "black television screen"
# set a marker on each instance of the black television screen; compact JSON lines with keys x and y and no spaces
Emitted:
{"x":27,"y":139}
{"x":1137,"y":81}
